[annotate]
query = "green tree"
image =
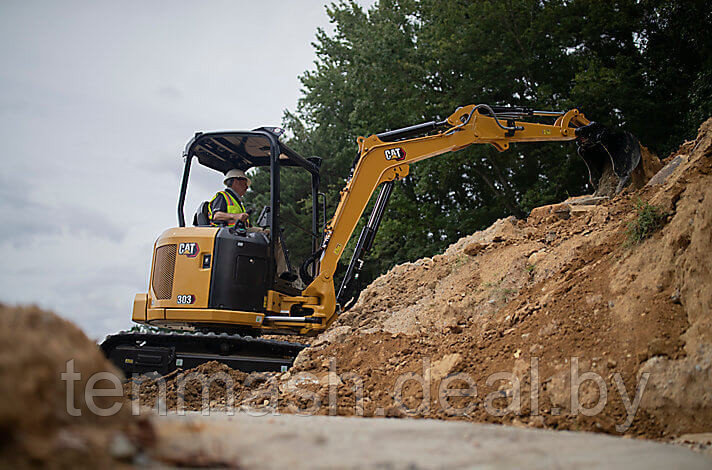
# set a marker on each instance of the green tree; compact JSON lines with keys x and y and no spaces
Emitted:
{"x":641,"y":65}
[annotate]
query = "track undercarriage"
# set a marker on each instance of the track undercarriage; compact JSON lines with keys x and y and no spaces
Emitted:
{"x":138,"y":353}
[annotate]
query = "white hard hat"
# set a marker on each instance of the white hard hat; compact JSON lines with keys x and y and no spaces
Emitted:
{"x":235,"y":173}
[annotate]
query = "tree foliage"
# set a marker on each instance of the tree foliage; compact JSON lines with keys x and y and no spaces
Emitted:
{"x":641,"y":65}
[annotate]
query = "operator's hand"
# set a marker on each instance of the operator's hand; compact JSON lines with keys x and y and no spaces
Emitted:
{"x":242,"y":217}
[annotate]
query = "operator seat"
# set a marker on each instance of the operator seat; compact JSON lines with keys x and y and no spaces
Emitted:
{"x":202,"y":215}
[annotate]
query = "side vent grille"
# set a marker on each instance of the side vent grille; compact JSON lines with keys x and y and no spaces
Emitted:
{"x":163,"y":269}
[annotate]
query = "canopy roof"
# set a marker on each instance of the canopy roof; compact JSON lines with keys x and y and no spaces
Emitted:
{"x":225,"y":150}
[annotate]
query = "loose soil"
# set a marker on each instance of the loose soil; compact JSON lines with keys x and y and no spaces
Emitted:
{"x":45,"y":424}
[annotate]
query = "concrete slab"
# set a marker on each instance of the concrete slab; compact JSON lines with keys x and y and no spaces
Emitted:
{"x":320,"y":442}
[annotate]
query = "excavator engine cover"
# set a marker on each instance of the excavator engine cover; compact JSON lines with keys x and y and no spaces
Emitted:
{"x":610,"y":157}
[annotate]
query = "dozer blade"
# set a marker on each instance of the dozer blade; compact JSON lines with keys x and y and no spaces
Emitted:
{"x":610,"y":157}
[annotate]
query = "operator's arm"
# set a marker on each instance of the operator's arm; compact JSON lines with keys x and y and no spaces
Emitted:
{"x":229,"y":218}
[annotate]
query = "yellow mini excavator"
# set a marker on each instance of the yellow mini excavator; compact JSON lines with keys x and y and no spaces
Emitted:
{"x":213,"y":290}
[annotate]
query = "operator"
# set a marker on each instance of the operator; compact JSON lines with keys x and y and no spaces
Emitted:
{"x":226,"y":206}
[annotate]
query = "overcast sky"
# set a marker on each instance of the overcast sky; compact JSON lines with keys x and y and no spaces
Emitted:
{"x":97,"y":101}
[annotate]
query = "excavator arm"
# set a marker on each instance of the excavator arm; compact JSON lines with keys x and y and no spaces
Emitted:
{"x":385,"y":158}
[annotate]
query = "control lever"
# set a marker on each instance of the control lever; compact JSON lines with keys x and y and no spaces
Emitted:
{"x":239,"y":229}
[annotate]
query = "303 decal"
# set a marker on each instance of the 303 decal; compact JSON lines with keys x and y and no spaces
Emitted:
{"x":187,"y":299}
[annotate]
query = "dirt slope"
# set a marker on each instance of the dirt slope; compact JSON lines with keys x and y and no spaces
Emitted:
{"x":43,"y":423}
{"x":558,"y":300}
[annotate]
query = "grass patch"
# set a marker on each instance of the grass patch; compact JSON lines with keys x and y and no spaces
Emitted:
{"x":506,"y":294}
{"x":499,"y":293}
{"x":649,"y":219}
{"x":460,"y":261}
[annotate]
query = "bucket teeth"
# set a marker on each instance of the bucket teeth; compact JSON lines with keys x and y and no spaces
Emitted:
{"x":610,"y":157}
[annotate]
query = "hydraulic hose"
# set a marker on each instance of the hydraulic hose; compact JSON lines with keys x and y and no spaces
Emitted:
{"x":489,"y":109}
{"x":304,"y":268}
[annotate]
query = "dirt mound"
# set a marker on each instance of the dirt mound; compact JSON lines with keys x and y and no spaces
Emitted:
{"x":560,"y":321}
{"x":213,"y":385}
{"x":42,"y":421}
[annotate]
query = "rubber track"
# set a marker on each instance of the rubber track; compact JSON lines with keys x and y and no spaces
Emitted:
{"x":189,"y":340}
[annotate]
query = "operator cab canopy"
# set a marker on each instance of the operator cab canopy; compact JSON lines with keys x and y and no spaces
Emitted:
{"x":224,"y":150}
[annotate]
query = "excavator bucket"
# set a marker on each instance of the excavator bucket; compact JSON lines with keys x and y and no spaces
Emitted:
{"x":610,"y":157}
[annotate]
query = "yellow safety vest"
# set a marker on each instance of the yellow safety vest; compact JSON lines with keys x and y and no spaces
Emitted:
{"x":234,"y":206}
